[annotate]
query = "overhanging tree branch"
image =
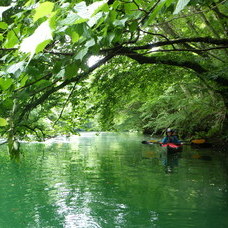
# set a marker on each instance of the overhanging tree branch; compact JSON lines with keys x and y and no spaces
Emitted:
{"x":27,"y":108}
{"x":192,"y":65}
{"x":188,"y":50}
{"x":159,"y":60}
{"x":207,"y":40}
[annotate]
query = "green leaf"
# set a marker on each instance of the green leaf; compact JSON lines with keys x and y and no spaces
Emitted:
{"x":94,"y":20}
{"x":5,"y":83}
{"x":3,"y":122}
{"x":88,"y":11}
{"x":3,"y":9}
{"x":95,"y":49}
{"x":23,"y":95}
{"x":120,"y":22}
{"x":130,"y":8}
{"x":168,"y":2}
{"x":41,"y":34}
{"x":70,"y":19}
{"x":1,"y":37}
{"x":80,"y":7}
{"x":133,"y":26}
{"x":30,"y":2}
{"x":90,"y":43}
{"x":71,"y":70}
{"x":155,"y":12}
{"x":15,"y":67}
{"x":81,"y":20}
{"x":180,"y":5}
{"x":60,"y":74}
{"x":3,"y":25}
{"x":116,"y":4}
{"x":81,"y":54}
{"x":75,"y":37}
{"x":52,"y":20}
{"x":79,"y":28}
{"x":111,"y":37}
{"x":40,"y":47}
{"x":104,"y":8}
{"x":11,"y":40}
{"x":7,"y":103}
{"x":23,"y":80}
{"x":34,"y":69}
{"x":44,"y":9}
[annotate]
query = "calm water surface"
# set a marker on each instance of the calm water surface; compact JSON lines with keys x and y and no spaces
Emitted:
{"x":112,"y":180}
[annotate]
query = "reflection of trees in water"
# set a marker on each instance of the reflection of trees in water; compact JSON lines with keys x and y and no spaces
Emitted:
{"x":99,"y":178}
{"x":25,"y":199}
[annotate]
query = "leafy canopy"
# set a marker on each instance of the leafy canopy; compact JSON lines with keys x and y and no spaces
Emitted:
{"x":46,"y":46}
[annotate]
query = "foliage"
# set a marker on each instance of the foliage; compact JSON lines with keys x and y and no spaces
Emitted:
{"x":45,"y":48}
{"x":154,"y":99}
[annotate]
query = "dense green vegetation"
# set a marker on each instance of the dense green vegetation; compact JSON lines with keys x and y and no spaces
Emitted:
{"x":160,"y":63}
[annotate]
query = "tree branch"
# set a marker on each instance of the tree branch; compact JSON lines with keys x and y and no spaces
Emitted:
{"x":159,"y":60}
{"x":149,"y":12}
{"x":34,"y":130}
{"x":189,"y":50}
{"x":76,"y":79}
{"x":34,"y":82}
{"x":60,"y":115}
{"x":208,"y":40}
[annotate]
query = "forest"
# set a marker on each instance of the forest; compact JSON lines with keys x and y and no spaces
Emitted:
{"x":116,"y":65}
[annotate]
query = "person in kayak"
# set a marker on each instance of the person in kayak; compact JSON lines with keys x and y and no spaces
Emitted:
{"x":170,"y":137}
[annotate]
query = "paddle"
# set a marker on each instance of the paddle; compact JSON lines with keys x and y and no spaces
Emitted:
{"x":194,"y":141}
{"x":198,"y":141}
{"x":172,"y":145}
{"x":151,"y":142}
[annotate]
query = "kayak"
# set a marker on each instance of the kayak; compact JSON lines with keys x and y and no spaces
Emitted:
{"x":171,"y":147}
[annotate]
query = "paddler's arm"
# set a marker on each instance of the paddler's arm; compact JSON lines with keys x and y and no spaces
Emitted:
{"x":164,"y":140}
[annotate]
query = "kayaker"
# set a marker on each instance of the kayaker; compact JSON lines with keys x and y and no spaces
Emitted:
{"x":170,"y":137}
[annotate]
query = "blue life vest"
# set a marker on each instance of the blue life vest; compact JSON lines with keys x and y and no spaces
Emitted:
{"x":170,"y":139}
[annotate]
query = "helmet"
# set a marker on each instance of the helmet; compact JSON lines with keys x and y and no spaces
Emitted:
{"x":169,"y":130}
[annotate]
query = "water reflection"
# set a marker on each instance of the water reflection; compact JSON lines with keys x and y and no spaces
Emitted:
{"x":171,"y":161}
{"x":111,"y":180}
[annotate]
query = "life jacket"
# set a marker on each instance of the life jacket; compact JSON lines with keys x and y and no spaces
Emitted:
{"x":172,"y":139}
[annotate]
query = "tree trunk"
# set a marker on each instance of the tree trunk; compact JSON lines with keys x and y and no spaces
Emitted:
{"x":13,"y":144}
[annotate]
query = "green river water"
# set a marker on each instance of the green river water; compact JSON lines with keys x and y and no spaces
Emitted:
{"x":112,"y":180}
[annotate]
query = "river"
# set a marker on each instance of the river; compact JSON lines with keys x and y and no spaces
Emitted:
{"x":112,"y":180}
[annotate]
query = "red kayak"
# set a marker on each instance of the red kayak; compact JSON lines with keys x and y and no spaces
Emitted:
{"x":172,"y":148}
